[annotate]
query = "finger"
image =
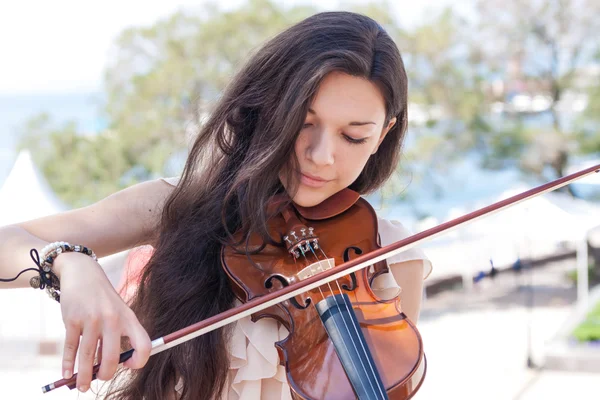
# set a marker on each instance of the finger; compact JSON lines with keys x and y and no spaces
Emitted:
{"x":98,"y":358}
{"x":72,"y":336}
{"x":87,"y":353}
{"x":140,"y":342}
{"x":109,"y":354}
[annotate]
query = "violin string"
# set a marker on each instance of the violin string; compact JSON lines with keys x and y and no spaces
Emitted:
{"x":323,"y":297}
{"x":348,"y":309}
{"x":336,"y":304}
{"x":319,"y":287}
{"x":356,"y":328}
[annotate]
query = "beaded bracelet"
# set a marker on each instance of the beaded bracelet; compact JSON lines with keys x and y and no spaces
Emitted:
{"x":52,"y":250}
{"x":47,"y":278}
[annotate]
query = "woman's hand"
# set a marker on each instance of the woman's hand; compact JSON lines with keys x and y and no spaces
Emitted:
{"x":94,"y":311}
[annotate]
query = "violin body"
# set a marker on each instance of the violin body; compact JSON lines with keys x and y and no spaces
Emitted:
{"x":310,"y":357}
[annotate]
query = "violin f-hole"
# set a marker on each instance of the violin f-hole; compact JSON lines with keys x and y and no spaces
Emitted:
{"x":284,"y":282}
{"x":358,"y":251}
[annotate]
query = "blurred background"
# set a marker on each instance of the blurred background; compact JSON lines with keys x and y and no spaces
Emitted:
{"x":504,"y":95}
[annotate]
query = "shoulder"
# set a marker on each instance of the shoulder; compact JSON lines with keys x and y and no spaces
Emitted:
{"x":391,"y":231}
{"x":173,"y":181}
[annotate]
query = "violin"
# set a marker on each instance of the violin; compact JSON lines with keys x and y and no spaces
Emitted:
{"x":344,"y":341}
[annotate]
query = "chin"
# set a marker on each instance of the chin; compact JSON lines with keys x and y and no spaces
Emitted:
{"x":307,"y":199}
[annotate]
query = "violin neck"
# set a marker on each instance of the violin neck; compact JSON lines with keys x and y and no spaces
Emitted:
{"x":343,"y":329}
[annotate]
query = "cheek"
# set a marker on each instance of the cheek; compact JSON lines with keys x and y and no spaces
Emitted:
{"x":301,"y":145}
{"x":351,"y":164}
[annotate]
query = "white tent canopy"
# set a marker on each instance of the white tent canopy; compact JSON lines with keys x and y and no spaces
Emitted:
{"x":535,"y":228}
{"x":26,"y":194}
{"x":551,"y":218}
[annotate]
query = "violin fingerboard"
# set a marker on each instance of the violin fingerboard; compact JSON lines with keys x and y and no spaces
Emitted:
{"x":344,"y":331}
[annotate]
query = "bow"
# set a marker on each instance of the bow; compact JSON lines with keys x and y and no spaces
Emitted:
{"x":360,"y":262}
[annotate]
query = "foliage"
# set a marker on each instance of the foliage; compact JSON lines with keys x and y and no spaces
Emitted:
{"x":543,"y":47}
{"x":593,"y":274}
{"x":79,"y":166}
{"x":588,"y":135}
{"x":589,"y":329}
{"x":163,"y":79}
{"x":446,"y":105}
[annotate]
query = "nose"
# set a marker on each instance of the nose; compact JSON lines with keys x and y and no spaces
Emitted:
{"x":320,"y":149}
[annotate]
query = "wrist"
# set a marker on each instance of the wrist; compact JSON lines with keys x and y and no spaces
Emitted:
{"x":64,"y":261}
{"x":51,"y":252}
{"x":50,"y":270}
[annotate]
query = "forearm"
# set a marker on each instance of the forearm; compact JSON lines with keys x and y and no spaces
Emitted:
{"x":15,"y":246}
{"x":409,"y":276}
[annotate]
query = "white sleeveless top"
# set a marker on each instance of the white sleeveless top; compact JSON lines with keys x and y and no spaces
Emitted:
{"x":255,"y":372}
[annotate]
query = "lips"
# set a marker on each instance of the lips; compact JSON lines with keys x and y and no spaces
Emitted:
{"x":315,"y":177}
{"x":312,"y":180}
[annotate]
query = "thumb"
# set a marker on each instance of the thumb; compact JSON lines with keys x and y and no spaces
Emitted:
{"x":141,"y":346}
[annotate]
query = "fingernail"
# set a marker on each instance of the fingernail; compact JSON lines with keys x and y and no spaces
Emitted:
{"x":83,"y":388}
{"x":66,"y":374}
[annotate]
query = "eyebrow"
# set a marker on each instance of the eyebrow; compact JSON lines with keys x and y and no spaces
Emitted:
{"x":353,"y":123}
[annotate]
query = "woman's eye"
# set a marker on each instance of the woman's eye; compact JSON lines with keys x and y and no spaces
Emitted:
{"x":306,"y":125}
{"x":354,"y":140}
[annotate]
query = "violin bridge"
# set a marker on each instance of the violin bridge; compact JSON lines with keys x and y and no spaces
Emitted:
{"x":315,"y":268}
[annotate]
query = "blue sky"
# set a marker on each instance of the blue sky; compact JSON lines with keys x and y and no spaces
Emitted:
{"x":62,"y":45}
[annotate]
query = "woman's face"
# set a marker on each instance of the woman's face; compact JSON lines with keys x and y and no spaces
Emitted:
{"x":343,"y":128}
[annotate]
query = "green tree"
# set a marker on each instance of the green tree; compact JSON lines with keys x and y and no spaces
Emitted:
{"x":589,"y":133}
{"x":161,"y":81}
{"x":79,"y":167}
{"x":446,"y":100}
{"x":544,"y":46}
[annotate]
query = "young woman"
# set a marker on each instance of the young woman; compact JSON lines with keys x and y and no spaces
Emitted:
{"x":319,"y":108}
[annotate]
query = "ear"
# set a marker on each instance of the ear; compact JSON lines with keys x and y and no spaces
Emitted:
{"x":389,"y":126}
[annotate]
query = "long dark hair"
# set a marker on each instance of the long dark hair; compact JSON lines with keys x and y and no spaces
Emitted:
{"x":232,"y":172}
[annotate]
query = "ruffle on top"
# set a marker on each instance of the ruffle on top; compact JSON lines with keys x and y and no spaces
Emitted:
{"x":255,"y":372}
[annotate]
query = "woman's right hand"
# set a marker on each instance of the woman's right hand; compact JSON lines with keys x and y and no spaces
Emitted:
{"x":94,"y":311}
